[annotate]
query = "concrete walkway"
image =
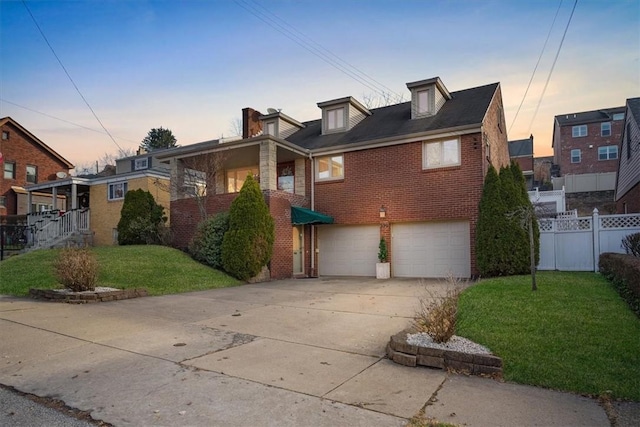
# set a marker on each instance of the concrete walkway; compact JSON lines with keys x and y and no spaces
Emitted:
{"x":292,"y":352}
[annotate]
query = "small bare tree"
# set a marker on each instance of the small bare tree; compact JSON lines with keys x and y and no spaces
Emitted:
{"x":382,"y":99}
{"x":235,"y":126}
{"x":198,"y":180}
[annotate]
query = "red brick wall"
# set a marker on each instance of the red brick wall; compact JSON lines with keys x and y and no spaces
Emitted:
{"x":632,"y":200}
{"x":590,"y":162}
{"x":393,"y":177}
{"x":22,"y":150}
{"x":525,"y":163}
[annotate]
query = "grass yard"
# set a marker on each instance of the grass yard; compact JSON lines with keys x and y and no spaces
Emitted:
{"x":574,"y":333}
{"x":159,"y":269}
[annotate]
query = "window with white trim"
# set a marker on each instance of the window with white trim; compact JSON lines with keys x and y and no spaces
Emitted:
{"x":618,"y":116}
{"x":608,"y":152}
{"x":335,"y":119}
{"x":579,"y":131}
{"x":423,"y":105}
{"x":576,"y":155}
{"x":330,"y":168}
{"x":270,"y":128}
{"x":237,"y":177}
{"x":32,"y":174}
{"x":605,"y":129}
{"x":441,"y":154}
{"x":142,"y":163}
{"x":117,"y":190}
{"x":9,"y":170}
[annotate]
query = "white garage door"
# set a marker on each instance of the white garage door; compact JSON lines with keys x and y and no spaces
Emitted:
{"x":432,"y":249}
{"x":348,"y":250}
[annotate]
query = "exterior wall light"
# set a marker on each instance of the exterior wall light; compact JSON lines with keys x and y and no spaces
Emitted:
{"x":383,"y":212}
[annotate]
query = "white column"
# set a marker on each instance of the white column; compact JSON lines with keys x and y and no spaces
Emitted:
{"x":54,"y":194}
{"x":74,"y":196}
{"x":29,"y":201}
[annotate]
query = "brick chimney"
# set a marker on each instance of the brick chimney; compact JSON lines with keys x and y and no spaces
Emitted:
{"x":251,"y":125}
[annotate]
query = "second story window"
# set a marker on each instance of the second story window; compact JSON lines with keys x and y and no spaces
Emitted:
{"x":329,"y":168}
{"x":608,"y":152}
{"x":9,"y":170}
{"x":618,"y":116}
{"x":441,"y":154}
{"x":423,"y":104}
{"x":236,"y":178}
{"x":32,"y":174}
{"x":605,"y":129}
{"x":335,"y":119}
{"x":5,"y":135}
{"x":271,"y":128}
{"x":579,"y":131}
{"x":576,"y":156}
{"x":141,"y":163}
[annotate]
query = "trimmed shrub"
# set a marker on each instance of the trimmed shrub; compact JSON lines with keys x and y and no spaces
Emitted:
{"x":248,"y":245}
{"x":382,"y":250}
{"x":490,"y":232}
{"x":623,"y":271}
{"x":76,"y":269}
{"x":631,"y":244}
{"x":437,"y":316}
{"x":206,"y":245}
{"x":142,"y":220}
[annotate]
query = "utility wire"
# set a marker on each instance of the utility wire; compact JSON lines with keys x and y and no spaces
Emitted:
{"x":69,"y":76}
{"x":535,"y":68}
{"x":6,"y":101}
{"x":319,"y":52}
{"x":553,"y":65}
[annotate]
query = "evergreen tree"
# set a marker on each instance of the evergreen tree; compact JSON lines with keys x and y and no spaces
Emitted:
{"x":141,"y":219}
{"x":528,"y":208}
{"x":248,"y":244}
{"x":490,"y":248}
{"x":158,"y":138}
{"x":516,"y":235}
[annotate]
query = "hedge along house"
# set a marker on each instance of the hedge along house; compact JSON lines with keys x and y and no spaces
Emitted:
{"x":411,"y":172}
{"x":94,"y":202}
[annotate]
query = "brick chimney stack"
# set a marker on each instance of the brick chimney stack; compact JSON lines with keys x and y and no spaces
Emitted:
{"x":251,"y":125}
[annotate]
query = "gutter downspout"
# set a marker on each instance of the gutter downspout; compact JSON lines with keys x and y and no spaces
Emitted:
{"x":313,"y":227}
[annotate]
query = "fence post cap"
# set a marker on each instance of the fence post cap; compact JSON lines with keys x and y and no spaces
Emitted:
{"x":595,"y":211}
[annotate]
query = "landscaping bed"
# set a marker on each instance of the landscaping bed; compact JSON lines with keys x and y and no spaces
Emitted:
{"x":100,"y":294}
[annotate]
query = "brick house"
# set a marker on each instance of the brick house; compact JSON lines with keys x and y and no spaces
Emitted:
{"x":585,"y":151}
{"x":94,"y":202}
{"x":628,"y":174}
{"x":26,"y":160}
{"x":521,"y":151}
{"x":411,"y":173}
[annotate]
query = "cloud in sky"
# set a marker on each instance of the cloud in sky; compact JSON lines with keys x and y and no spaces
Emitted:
{"x":192,"y":66}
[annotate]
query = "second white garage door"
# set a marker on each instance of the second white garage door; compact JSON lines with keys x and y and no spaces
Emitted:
{"x":348,"y":250}
{"x":432,"y":249}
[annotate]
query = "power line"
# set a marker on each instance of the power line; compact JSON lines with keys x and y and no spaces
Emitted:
{"x":535,"y":68}
{"x":69,"y":76}
{"x":6,"y":101}
{"x":321,"y":52}
{"x":553,"y":65}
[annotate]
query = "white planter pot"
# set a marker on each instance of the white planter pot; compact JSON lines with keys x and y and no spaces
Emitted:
{"x":383,"y":270}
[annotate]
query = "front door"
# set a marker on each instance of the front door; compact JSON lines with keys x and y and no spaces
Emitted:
{"x":298,"y":249}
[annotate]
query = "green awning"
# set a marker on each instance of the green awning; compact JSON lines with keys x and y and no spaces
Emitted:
{"x":300,"y":216}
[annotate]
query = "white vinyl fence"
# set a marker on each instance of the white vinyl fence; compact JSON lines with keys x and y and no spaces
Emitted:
{"x":575,"y":244}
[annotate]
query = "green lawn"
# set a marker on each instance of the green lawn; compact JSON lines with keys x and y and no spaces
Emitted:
{"x":159,"y":269}
{"x":574,"y":333}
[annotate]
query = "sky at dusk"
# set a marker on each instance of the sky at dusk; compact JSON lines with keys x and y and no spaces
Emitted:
{"x":191,"y":66}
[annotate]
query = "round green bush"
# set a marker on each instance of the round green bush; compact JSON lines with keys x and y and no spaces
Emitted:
{"x":206,"y":245}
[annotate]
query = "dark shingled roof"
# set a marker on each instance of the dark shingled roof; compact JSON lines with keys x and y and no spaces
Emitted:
{"x":521,"y":147}
{"x":634,"y":106}
{"x":467,"y":107}
{"x":601,"y":115}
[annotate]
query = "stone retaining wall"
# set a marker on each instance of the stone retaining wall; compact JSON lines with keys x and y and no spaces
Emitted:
{"x":406,"y":354}
{"x":57,"y":295}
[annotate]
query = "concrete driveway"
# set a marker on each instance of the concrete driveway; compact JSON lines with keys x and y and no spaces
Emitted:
{"x":291,"y":352}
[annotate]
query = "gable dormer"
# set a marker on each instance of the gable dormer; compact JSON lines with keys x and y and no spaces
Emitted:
{"x":340,"y":115}
{"x":427,"y":97}
{"x":279,"y":125}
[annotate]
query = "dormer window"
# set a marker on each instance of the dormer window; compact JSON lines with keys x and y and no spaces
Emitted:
{"x":270,"y":128}
{"x":141,"y":164}
{"x":335,"y":119}
{"x":427,"y":97}
{"x":340,"y":115}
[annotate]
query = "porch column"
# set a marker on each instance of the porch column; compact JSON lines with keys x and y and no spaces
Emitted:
{"x":29,"y":201}
{"x":299,"y":178}
{"x":74,"y":196}
{"x":54,"y":195}
{"x":268,"y":165}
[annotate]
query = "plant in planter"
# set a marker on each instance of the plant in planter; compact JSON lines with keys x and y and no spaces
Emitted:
{"x":383,"y":268}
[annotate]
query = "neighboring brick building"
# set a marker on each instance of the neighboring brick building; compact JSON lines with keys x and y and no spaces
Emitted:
{"x":521,"y":151}
{"x":411,"y":173}
{"x":628,"y":178}
{"x":26,"y":160}
{"x":586,"y":151}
